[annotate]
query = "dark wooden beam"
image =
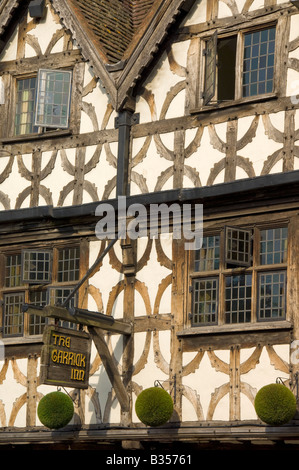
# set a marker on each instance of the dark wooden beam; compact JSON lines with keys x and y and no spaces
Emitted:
{"x":83,"y":317}
{"x":110,"y":367}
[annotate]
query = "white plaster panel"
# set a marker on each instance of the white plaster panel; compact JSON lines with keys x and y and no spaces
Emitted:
{"x":260,"y":148}
{"x":29,"y":51}
{"x":205,"y":158}
{"x":143,"y":108}
{"x":11,"y":390}
{"x":294,"y":27}
{"x":293,"y":84}
{"x":224,"y":11}
{"x":152,"y":274}
{"x":256,"y":5}
{"x":180,"y":50}
{"x":197,"y":14}
{"x":150,"y":168}
{"x":102,"y":173}
{"x":50,"y":24}
{"x":10,"y":50}
{"x":177,"y":106}
{"x":160,"y":81}
{"x":105,"y":279}
{"x":264,"y":372}
{"x":15,"y":184}
{"x":99,"y":100}
{"x":240,"y":4}
{"x":59,"y":178}
{"x":204,"y":381}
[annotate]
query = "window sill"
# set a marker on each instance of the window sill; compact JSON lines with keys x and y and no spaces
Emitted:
{"x":239,"y":328}
{"x":36,"y":137}
{"x":233,"y":103}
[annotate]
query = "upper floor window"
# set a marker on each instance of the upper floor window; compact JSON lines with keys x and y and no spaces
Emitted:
{"x":40,"y":277}
{"x":239,"y":66}
{"x":43,"y":101}
{"x":239,"y":276}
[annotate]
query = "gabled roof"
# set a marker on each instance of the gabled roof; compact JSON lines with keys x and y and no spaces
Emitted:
{"x":113,"y":23}
{"x":117,"y":37}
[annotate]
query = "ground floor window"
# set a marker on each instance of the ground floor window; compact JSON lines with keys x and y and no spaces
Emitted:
{"x":39,"y":277}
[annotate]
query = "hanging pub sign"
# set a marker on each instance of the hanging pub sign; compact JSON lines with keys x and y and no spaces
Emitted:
{"x":65,"y":357}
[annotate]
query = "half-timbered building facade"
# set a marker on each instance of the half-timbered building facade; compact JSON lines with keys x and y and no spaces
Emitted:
{"x":185,"y":102}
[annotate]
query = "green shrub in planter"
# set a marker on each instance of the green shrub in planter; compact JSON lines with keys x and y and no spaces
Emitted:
{"x":154,"y":406}
{"x":275,"y":404}
{"x":55,"y":410}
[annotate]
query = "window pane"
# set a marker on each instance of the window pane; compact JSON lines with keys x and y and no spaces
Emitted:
{"x":259,"y":53}
{"x":13,"y":315}
{"x":273,"y":245}
{"x":68,"y":264}
{"x":13,"y":271}
{"x":272,"y":295}
{"x":53,"y":98}
{"x":36,"y":322}
{"x":237,"y":246}
{"x":208,"y":257}
{"x":238,"y":298}
{"x":25,"y":105}
{"x":205,"y":301}
{"x":57,"y":297}
{"x":36,"y":266}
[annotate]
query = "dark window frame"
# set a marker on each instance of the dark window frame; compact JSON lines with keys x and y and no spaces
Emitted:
{"x":28,"y":290}
{"x":235,"y":94}
{"x":226,"y":270}
{"x":40,"y":128}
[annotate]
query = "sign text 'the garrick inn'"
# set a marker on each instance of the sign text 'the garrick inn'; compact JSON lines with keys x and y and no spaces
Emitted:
{"x":65,"y":357}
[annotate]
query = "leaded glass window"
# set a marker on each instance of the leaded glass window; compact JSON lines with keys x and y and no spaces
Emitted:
{"x":239,"y":276}
{"x":240,"y":65}
{"x":13,"y":270}
{"x":238,"y":246}
{"x":38,"y":277}
{"x":57,"y":297}
{"x":37,"y":322}
{"x":273,"y":245}
{"x":25,"y":106}
{"x":68,"y":264}
{"x":205,"y":299}
{"x":36,"y":266}
{"x":238,"y":298}
{"x":13,"y":314}
{"x":258,"y":64}
{"x":208,"y":257}
{"x":53,"y":98}
{"x":272,"y":295}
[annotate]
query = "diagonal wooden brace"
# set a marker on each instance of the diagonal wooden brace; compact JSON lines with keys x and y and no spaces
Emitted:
{"x":110,"y":367}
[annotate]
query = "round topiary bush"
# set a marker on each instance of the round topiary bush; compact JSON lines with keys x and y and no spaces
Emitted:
{"x":55,"y":410}
{"x":154,"y":406}
{"x":275,"y":404}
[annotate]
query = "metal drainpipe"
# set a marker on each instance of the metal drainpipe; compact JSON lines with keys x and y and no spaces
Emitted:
{"x":124,"y":122}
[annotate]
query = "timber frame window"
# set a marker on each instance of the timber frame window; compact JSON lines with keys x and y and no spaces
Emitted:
{"x":43,"y":101}
{"x":238,"y":66}
{"x":239,"y":276}
{"x":40,"y":277}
